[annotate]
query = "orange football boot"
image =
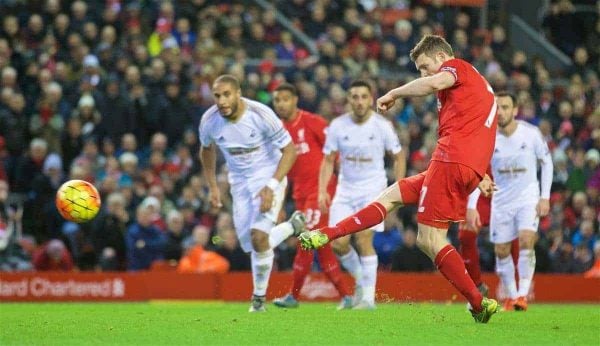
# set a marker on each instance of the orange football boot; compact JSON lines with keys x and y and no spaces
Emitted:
{"x":509,"y":305}
{"x":521,"y":304}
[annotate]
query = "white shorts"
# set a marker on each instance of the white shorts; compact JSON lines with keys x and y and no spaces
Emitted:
{"x":344,"y":206}
{"x":247,"y":215}
{"x":506,"y":224}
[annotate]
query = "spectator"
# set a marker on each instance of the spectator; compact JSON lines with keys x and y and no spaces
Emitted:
{"x":53,"y":256}
{"x":560,"y":25}
{"x":175,"y":236}
{"x":408,"y":258}
{"x":110,"y":228}
{"x":198,"y":259}
{"x":594,"y":272}
{"x":144,"y":242}
{"x":230,"y":249}
{"x":12,"y":255}
{"x":386,"y":242}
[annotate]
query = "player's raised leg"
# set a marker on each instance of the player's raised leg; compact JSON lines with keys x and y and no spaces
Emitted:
{"x":365,"y":218}
{"x":295,"y":225}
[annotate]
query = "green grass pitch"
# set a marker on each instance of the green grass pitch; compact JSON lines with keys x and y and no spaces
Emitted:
{"x":217,"y":323}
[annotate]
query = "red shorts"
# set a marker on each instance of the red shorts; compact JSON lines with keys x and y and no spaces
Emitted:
{"x":441,"y":192}
{"x":314,"y":217}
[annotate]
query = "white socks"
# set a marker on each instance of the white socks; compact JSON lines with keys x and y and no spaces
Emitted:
{"x":369,"y":277}
{"x":526,"y":267}
{"x":506,"y":271}
{"x":262,"y":263}
{"x":351,"y":263}
{"x":280,"y":233}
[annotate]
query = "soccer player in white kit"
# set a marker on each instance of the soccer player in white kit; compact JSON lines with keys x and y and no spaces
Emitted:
{"x":259,"y":152}
{"x":361,"y":137}
{"x":518,"y":204}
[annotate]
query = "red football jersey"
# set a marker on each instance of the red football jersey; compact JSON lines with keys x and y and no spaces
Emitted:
{"x":467,"y":116}
{"x":308,"y":134}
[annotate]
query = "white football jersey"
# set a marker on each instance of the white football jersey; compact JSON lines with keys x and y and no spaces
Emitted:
{"x":515,"y":166}
{"x":251,"y":146}
{"x":362,"y":149}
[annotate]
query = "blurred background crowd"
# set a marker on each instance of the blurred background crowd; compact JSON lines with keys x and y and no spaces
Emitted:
{"x":112,"y":92}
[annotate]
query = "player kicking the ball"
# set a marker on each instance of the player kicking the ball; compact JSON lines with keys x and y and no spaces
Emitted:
{"x":467,"y":130}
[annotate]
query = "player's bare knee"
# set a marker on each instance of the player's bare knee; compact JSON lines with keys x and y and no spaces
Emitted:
{"x":527,"y":239}
{"x":390,"y":197}
{"x":260,"y":240}
{"x":502,"y":250}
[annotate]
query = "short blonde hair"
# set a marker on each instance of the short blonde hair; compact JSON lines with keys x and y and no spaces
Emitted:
{"x":429,"y":45}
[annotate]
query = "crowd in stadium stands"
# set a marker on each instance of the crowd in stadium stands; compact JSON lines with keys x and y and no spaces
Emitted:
{"x":112,"y":92}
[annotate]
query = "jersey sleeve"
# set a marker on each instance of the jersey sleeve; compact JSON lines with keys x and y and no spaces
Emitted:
{"x":456,"y":68}
{"x":540,"y":146}
{"x":273,"y":129}
{"x":542,"y":153}
{"x":204,"y":132}
{"x":391,"y":141}
{"x":331,"y":144}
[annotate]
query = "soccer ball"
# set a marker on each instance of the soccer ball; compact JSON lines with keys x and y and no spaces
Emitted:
{"x":77,"y":201}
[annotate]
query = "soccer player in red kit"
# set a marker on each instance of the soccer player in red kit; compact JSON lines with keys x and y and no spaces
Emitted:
{"x":308,"y":134}
{"x":467,"y":132}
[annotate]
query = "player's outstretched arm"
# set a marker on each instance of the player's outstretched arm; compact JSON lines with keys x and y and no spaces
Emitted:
{"x":418,"y":87}
{"x":208,"y":158}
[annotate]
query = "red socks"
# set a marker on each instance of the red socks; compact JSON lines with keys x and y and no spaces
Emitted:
{"x":329,"y":264}
{"x":302,"y":265}
{"x":451,"y":265}
{"x":331,"y":268}
{"x":470,"y":254}
{"x":367,"y":217}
